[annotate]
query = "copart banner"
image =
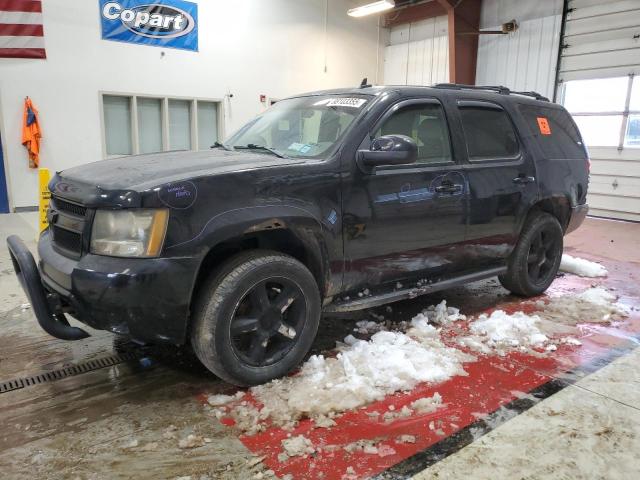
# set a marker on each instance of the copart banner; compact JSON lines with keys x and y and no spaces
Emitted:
{"x":160,"y":23}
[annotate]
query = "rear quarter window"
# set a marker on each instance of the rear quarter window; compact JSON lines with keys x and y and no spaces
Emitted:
{"x":488,"y":131}
{"x":554,"y":131}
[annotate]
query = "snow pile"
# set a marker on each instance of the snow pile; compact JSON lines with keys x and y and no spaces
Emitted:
{"x":370,"y":447}
{"x":440,"y":314}
{"x":428,"y":404}
{"x":220,"y":399}
{"x":474,"y":343}
{"x":582,"y":267}
{"x":296,"y":447}
{"x":501,"y":329}
{"x":421,"y":406}
{"x":366,"y":327}
{"x":392,"y":415}
{"x":593,"y":305}
{"x":362,"y":372}
{"x":598,"y":296}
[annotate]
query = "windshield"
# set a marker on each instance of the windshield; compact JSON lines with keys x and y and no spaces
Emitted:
{"x":304,"y":127}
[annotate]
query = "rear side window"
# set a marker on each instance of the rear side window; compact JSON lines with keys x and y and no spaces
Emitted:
{"x":488,"y":132}
{"x":555,"y":132}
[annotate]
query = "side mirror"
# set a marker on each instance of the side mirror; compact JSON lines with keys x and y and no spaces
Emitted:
{"x":389,"y":150}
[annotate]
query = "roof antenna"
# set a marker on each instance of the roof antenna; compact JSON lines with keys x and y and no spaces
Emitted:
{"x":364,"y":83}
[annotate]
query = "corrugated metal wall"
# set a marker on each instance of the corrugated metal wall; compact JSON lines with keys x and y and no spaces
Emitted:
{"x":418,"y":53}
{"x":601,"y":42}
{"x":526,"y":59}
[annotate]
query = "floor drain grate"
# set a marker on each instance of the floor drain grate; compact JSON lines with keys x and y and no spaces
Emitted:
{"x":70,"y":371}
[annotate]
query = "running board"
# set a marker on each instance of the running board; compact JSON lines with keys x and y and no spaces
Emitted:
{"x":397,"y":295}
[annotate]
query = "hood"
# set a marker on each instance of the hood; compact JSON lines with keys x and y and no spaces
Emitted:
{"x":141,"y":172}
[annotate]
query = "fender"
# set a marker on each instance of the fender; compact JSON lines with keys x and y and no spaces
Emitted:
{"x":318,"y":238}
{"x":554,"y":204}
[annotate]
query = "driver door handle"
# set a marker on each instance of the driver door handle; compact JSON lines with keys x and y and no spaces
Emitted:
{"x":448,"y":188}
{"x":522,"y":179}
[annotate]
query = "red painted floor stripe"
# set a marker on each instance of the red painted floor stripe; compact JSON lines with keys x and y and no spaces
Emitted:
{"x":492,"y":382}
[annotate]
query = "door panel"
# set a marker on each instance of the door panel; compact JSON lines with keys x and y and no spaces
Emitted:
{"x":405,"y":221}
{"x":501,"y":181}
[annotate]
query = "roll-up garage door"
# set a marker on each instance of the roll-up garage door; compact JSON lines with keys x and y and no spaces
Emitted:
{"x":599,"y":79}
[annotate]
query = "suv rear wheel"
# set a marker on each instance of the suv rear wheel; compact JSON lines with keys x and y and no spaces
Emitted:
{"x":256,"y":317}
{"x":535,"y":261}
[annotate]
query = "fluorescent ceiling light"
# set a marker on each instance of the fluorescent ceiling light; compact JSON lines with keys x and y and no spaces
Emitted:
{"x":370,"y":8}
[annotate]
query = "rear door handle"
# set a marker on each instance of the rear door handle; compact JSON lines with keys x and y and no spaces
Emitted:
{"x":448,"y":188}
{"x":522,"y":179}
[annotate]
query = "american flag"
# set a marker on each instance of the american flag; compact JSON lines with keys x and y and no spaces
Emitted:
{"x":21,"y":33}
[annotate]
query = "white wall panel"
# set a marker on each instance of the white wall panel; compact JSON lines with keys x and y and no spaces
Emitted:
{"x":418,"y":53}
{"x":524,"y":60}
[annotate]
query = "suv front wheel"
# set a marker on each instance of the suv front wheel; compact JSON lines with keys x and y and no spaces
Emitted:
{"x":256,"y":317}
{"x":534,"y":262}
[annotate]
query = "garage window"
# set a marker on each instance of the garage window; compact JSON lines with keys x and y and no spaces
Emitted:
{"x":150,"y":125}
{"x":207,"y":124}
{"x":144,"y":124}
{"x":607,"y":110}
{"x":117,"y":120}
{"x":179,"y":125}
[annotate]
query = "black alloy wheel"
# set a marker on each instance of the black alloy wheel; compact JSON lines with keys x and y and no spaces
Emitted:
{"x":255,"y":317}
{"x":534,"y":262}
{"x":543,"y":252}
{"x":266,"y":323}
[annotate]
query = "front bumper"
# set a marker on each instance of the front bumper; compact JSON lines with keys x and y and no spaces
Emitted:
{"x":578,"y":214}
{"x":147,"y":299}
{"x":45,"y":304}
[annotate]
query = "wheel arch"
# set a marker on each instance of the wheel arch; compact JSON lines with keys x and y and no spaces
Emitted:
{"x":290,"y":231}
{"x":558,"y":205}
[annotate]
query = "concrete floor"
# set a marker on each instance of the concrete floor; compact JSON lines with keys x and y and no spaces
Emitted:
{"x":116,"y":422}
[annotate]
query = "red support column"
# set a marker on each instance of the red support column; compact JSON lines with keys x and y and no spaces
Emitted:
{"x":464,"y":24}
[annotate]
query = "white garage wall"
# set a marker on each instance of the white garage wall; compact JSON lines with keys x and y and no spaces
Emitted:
{"x":247,"y":47}
{"x":524,"y":60}
{"x":418,"y":53}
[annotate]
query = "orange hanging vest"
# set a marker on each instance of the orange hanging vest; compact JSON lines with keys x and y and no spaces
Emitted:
{"x":31,"y":133}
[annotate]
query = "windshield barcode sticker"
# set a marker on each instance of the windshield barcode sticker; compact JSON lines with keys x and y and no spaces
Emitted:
{"x":346,"y":102}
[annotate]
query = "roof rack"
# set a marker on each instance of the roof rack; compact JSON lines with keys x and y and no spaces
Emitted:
{"x":491,"y":88}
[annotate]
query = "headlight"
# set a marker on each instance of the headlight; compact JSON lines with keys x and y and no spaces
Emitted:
{"x":129,"y":233}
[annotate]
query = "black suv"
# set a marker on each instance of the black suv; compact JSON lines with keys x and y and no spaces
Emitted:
{"x":327,"y":202}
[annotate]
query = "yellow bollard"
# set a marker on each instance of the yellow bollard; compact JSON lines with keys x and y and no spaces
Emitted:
{"x":45,"y":196}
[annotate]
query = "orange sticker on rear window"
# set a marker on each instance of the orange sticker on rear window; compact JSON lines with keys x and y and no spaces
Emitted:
{"x":543,"y":125}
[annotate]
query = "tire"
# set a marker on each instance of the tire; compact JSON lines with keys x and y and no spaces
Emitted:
{"x":540,"y":244}
{"x":248,"y":295}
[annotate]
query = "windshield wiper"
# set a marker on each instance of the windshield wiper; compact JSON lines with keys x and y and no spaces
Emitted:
{"x":253,"y":146}
{"x":222,"y":145}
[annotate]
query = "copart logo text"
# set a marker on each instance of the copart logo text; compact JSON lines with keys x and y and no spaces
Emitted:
{"x":154,"y":21}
